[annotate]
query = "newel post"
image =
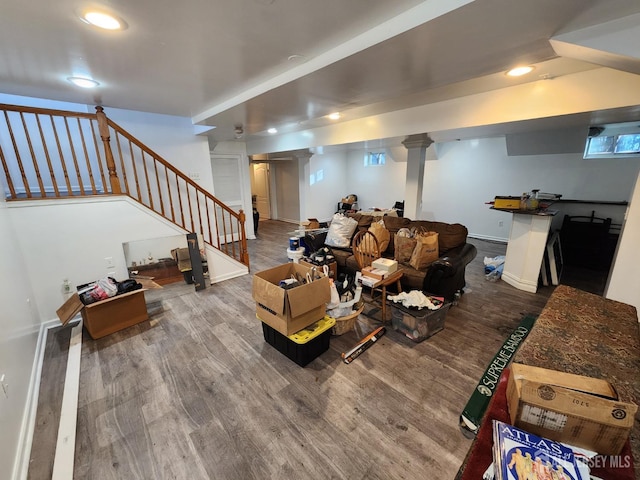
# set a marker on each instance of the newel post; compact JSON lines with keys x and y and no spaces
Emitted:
{"x":103,"y":127}
{"x":243,"y":238}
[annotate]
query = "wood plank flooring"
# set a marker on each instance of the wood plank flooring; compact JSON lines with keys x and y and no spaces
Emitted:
{"x":54,"y":367}
{"x":197,"y":393}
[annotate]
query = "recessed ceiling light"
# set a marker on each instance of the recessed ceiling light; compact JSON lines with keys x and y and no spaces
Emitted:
{"x":334,"y":116}
{"x":83,"y":82}
{"x":518,"y":71}
{"x":103,"y":20}
{"x":272,"y":130}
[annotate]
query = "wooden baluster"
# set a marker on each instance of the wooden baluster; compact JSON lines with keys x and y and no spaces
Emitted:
{"x":7,"y":175}
{"x":15,"y":149}
{"x":199,"y":215}
{"x":190,"y":209}
{"x":124,"y":170}
{"x":86,"y":158}
{"x":233,"y":237}
{"x":244,"y":253}
{"x":208,"y":215}
{"x":166,"y":175}
{"x":160,"y":199}
{"x":215,"y":214}
{"x":146,"y":178}
{"x":56,"y":192}
{"x":103,"y":126}
{"x":34,"y":160}
{"x":224,"y":232}
{"x":103,"y":181}
{"x":180,"y":200}
{"x":73,"y":156}
{"x":62,"y":162}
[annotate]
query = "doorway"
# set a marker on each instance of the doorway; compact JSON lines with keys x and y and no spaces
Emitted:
{"x":260,"y":189}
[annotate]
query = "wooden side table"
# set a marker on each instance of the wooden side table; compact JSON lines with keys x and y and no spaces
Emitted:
{"x":382,"y":285}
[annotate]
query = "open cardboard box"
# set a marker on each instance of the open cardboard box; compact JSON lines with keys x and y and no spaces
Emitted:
{"x":290,"y":310}
{"x":106,"y":316}
{"x":573,"y":409}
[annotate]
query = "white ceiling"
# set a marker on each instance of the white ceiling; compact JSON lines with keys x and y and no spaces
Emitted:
{"x":226,"y":63}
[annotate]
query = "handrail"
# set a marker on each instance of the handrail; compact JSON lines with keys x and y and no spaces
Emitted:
{"x":46,"y":154}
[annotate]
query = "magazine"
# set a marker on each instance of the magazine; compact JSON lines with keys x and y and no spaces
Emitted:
{"x":520,"y":455}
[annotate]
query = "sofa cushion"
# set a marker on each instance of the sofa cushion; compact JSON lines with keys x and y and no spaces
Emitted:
{"x":341,"y":255}
{"x":450,"y":235}
{"x":364,"y":221}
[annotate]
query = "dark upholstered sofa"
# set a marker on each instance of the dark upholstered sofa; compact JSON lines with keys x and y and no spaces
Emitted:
{"x":443,"y":277}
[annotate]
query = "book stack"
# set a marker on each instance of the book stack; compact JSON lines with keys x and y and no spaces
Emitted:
{"x":518,"y":455}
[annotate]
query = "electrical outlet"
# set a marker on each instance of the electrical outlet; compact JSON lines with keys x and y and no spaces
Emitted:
{"x":5,"y":385}
{"x":109,"y":261}
{"x":501,"y":223}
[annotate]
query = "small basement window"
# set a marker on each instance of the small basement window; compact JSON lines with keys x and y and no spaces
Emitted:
{"x":614,"y":140}
{"x":374,"y":158}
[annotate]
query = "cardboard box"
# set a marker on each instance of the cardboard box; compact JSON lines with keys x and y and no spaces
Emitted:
{"x":374,"y":273}
{"x":568,"y":408}
{"x":386,"y":264}
{"x":106,"y":316}
{"x":290,"y":310}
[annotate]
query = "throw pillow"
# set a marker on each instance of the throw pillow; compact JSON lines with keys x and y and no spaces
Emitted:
{"x":340,"y":231}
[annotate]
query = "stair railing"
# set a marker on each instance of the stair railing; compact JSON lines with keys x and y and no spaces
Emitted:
{"x":56,"y":154}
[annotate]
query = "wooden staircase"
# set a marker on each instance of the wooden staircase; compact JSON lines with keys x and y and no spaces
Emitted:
{"x":48,"y":154}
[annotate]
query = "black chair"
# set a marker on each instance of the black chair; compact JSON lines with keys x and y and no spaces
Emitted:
{"x":585,"y":240}
{"x":399,"y":206}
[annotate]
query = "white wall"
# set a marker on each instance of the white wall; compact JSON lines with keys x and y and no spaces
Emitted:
{"x":624,"y":281}
{"x":323,"y":196}
{"x":379,"y":186}
{"x":171,"y":137}
{"x":80,"y":234}
{"x":471,"y":172}
{"x":19,"y":327}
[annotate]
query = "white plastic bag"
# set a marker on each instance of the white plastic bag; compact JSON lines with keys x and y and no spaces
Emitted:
{"x":335,"y":296}
{"x":340,"y":231}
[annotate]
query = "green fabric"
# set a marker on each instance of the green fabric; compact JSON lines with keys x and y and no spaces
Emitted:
{"x":475,"y":408}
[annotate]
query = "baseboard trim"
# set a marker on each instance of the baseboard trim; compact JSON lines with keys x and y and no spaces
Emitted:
{"x":488,"y":238}
{"x":21,"y":463}
{"x":519,"y":283}
{"x":66,"y":443}
{"x":228,"y":276}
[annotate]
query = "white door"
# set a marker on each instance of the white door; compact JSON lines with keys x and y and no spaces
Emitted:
{"x":261,"y":189}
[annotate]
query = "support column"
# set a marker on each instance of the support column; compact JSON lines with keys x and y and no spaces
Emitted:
{"x":416,"y":146}
{"x":303,"y":157}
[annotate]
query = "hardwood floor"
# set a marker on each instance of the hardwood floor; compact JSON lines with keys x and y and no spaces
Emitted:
{"x":197,"y":393}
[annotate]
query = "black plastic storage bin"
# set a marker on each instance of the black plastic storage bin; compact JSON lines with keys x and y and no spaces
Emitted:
{"x":304,"y":346}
